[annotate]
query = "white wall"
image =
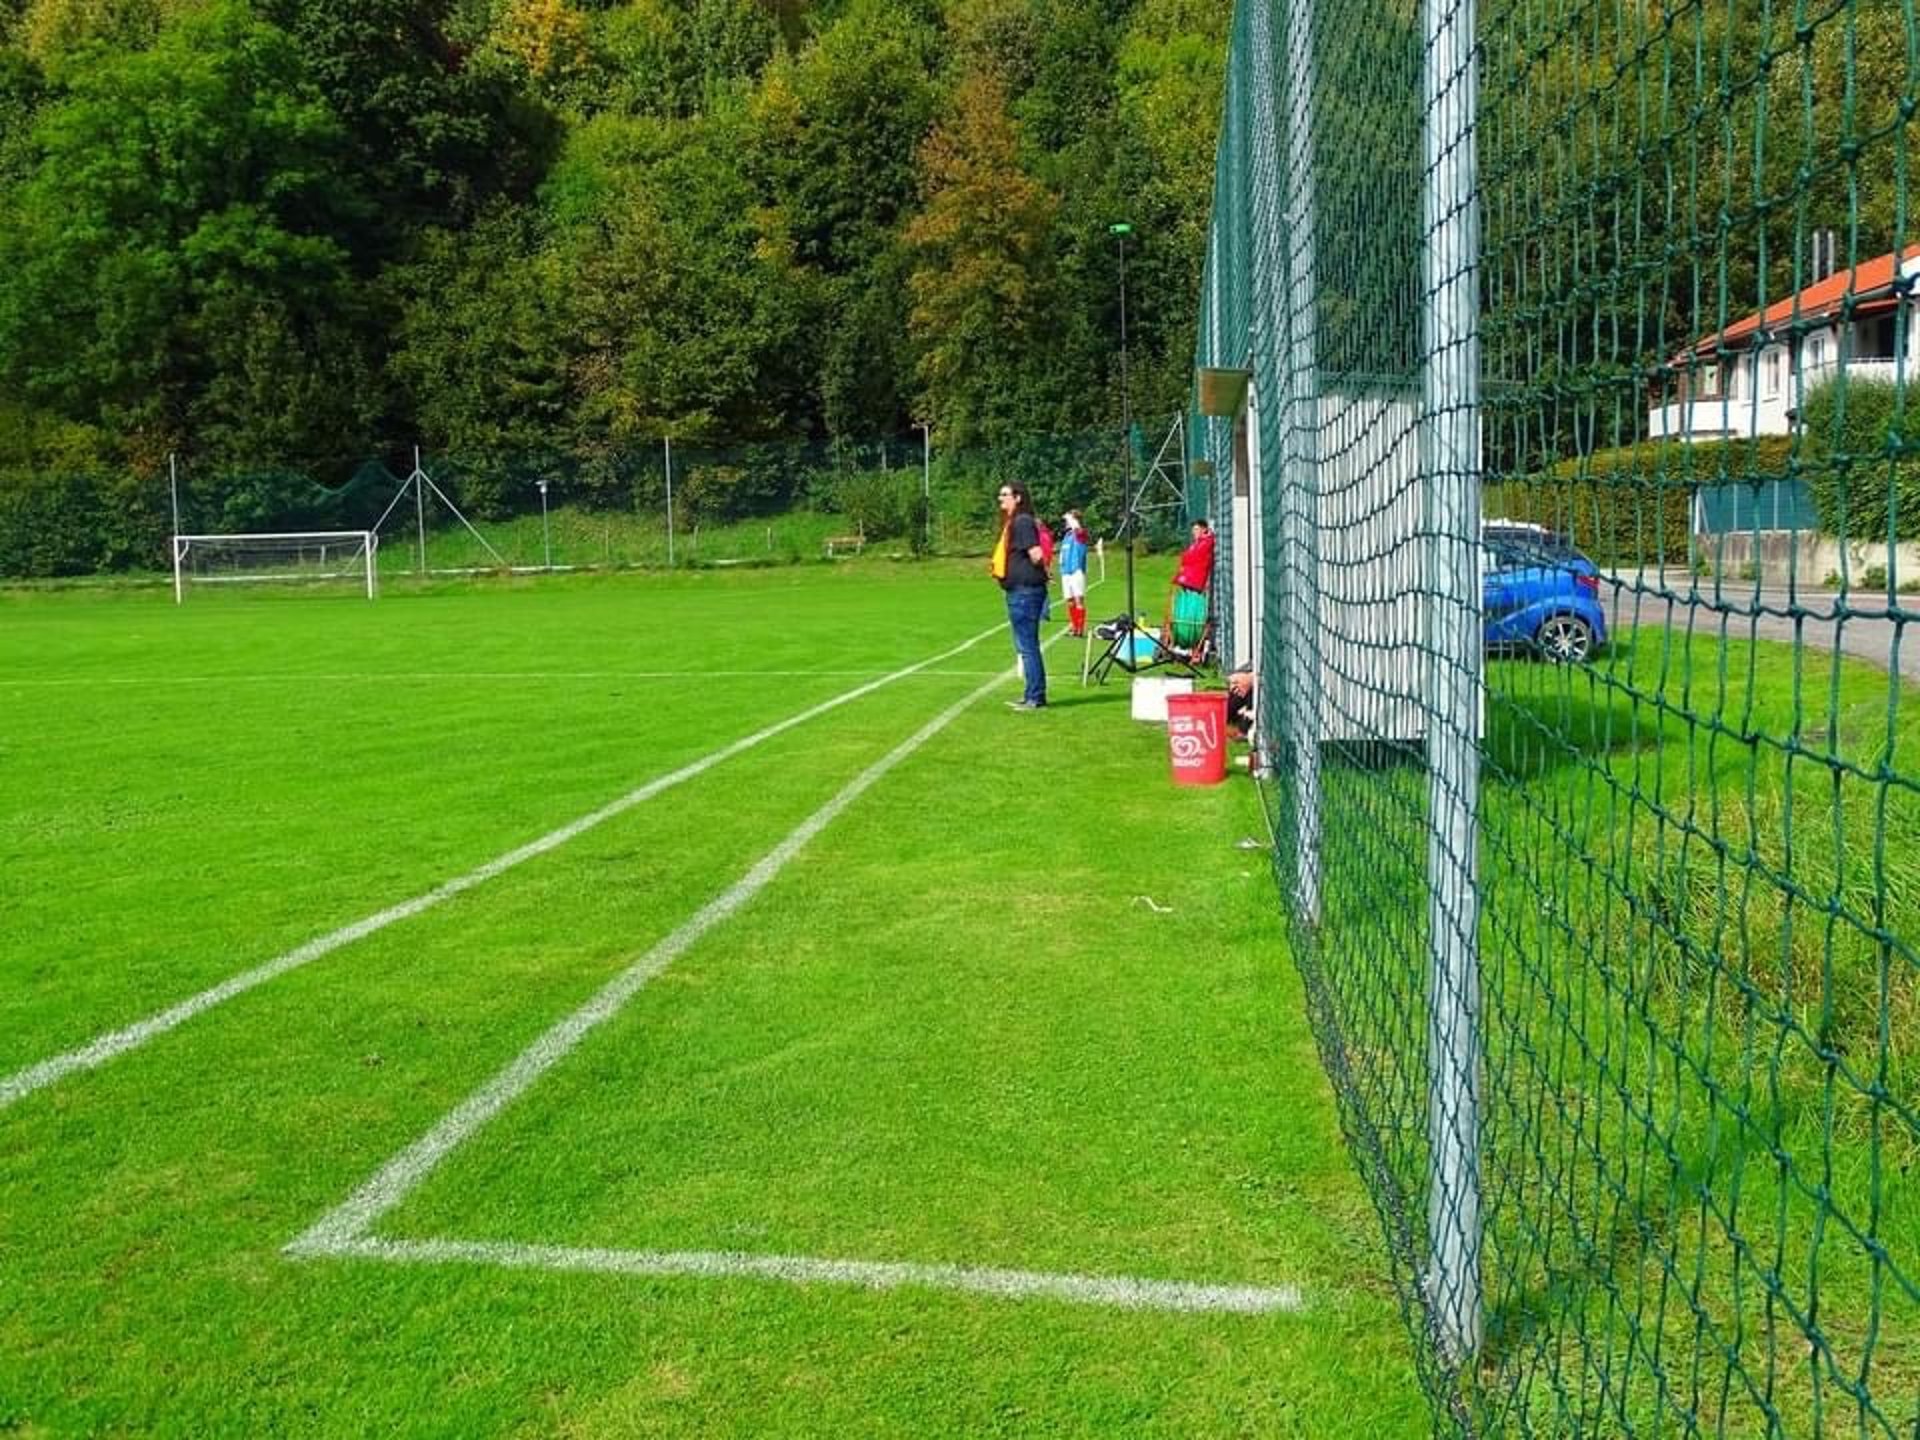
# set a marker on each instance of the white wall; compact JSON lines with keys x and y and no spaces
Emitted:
{"x":1753,"y":406}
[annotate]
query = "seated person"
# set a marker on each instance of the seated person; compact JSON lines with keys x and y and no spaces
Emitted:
{"x":1196,"y":561}
{"x":1187,"y":606}
{"x":1240,"y":704}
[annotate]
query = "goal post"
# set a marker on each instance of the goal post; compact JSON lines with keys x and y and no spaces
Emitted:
{"x":297,"y":557}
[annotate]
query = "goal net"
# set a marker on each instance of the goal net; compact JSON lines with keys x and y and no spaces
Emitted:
{"x":302,"y":558}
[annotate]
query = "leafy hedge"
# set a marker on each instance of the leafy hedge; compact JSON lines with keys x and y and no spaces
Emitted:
{"x":1633,"y":504}
{"x":1862,"y":459}
{"x":64,"y":510}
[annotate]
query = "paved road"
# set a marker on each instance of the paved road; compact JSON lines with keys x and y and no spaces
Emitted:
{"x":1861,"y":624}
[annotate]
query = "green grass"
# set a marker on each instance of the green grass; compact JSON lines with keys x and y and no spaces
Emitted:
{"x":1695,"y":1039}
{"x":948,"y":1032}
{"x":1695,"y":847}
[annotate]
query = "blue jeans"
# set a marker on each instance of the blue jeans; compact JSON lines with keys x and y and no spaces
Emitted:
{"x":1024,"y":605}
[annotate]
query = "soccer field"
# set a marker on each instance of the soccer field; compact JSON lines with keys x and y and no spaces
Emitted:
{"x":646,"y":1005}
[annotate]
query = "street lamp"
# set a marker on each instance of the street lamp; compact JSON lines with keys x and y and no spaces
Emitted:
{"x":926,"y":480}
{"x":546,"y":533}
{"x":1120,"y":230}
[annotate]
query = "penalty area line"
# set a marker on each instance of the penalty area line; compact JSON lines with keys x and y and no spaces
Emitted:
{"x":357,"y":1215}
{"x":1114,"y":1292}
{"x":102,"y":1048}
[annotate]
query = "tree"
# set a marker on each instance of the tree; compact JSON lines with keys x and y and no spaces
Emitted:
{"x":836,"y":132}
{"x":52,"y":30}
{"x":483,"y":348}
{"x":1839,"y":97}
{"x":551,"y":41}
{"x":978,"y":265}
{"x":678,"y":58}
{"x":22,"y":92}
{"x":180,"y":224}
{"x":435,"y":131}
{"x":689,"y":315}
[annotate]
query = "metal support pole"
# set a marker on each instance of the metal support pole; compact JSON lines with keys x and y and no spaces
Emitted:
{"x":173,"y":489}
{"x":926,"y":481}
{"x":669,"y":440}
{"x":1452,"y":461}
{"x":1300,"y":453}
{"x":546,"y":532}
{"x":419,"y":508}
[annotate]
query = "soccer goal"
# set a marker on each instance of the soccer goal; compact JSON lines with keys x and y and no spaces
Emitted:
{"x":312,"y":557}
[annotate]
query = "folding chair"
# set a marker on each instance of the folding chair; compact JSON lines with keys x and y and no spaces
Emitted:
{"x":1183,"y":642}
{"x":1188,"y":633}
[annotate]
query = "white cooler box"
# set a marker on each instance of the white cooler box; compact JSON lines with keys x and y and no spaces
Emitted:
{"x":1150,"y":694}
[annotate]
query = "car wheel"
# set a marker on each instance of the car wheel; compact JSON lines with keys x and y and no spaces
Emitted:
{"x":1564,"y":639}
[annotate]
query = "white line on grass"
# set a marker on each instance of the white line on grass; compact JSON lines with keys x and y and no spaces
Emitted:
{"x":1120,"y":1292}
{"x":103,"y":1048}
{"x":380,"y":676}
{"x":344,"y":1231}
{"x":399,"y":1176}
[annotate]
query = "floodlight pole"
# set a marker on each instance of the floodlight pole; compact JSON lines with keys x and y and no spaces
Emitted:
{"x":1120,"y":230}
{"x":926,"y":481}
{"x":669,"y":441}
{"x":546,"y":533}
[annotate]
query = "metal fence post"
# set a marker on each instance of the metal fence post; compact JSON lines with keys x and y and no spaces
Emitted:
{"x":1452,"y":460}
{"x":1300,"y":504}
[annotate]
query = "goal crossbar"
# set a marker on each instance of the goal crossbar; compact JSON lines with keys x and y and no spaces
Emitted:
{"x":303,"y":555}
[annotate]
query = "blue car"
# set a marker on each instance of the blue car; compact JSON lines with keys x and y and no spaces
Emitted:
{"x":1540,"y":594}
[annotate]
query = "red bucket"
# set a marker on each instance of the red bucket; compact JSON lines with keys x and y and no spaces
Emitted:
{"x":1197,"y":737}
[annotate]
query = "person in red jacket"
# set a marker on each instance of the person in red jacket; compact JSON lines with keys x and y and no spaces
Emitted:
{"x":1196,"y":561}
{"x":1188,"y":620}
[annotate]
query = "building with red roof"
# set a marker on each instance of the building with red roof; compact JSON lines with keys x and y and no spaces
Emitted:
{"x":1749,"y":378}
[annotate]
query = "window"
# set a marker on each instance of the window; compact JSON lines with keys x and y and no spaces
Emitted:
{"x":1709,"y":380}
{"x":1816,"y":352}
{"x":1773,"y":359}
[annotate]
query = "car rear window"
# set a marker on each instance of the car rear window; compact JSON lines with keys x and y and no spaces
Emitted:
{"x":1512,"y":554}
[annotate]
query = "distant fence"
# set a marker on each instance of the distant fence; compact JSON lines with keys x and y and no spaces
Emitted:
{"x":912,"y":492}
{"x":1612,"y":962}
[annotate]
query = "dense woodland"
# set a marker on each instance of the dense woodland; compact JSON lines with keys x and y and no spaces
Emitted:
{"x":274,"y":238}
{"x":295,"y":233}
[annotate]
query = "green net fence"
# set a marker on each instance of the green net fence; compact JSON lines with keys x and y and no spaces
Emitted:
{"x":650,"y":503}
{"x":1555,"y":367}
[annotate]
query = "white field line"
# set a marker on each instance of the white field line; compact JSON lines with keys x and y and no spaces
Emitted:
{"x":395,"y":1180}
{"x":344,"y":1231}
{"x":103,"y":1048}
{"x":1118,"y":1292}
{"x":377,"y":677}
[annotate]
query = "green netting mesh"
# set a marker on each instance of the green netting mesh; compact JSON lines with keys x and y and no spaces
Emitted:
{"x":1600,"y":824}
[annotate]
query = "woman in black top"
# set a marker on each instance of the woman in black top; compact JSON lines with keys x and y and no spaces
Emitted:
{"x":1019,"y":564}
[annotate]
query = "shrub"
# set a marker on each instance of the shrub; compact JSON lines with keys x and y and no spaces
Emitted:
{"x":1863,"y":458}
{"x":879,"y":503}
{"x":1634,"y":502}
{"x":49,"y":524}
